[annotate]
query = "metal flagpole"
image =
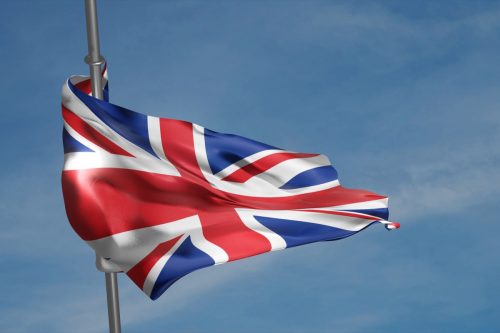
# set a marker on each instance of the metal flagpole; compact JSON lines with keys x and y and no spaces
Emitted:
{"x":95,"y":60}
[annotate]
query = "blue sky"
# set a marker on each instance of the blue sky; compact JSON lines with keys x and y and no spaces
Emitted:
{"x":402,"y":96}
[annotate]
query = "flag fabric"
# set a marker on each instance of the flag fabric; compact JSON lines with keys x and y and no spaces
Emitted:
{"x":159,"y":198}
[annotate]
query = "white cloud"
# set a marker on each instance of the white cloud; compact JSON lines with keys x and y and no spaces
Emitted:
{"x":441,"y":181}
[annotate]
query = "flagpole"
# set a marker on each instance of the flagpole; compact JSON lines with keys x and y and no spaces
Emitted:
{"x":94,"y":59}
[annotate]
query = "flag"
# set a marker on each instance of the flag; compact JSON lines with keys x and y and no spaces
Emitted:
{"x":159,"y":198}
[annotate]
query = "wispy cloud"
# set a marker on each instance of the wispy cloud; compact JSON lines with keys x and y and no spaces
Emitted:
{"x":450,"y":182}
{"x":76,"y":301}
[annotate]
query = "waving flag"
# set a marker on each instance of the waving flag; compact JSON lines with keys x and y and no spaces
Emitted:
{"x":160,"y":198}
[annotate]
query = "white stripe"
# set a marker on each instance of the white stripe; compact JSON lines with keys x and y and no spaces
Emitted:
{"x":337,"y":221}
{"x":89,"y":160}
{"x":83,"y":140}
{"x":75,"y":79}
{"x":156,"y":141}
{"x":155,"y":137}
{"x":196,"y":234}
{"x":153,"y":274}
{"x":372,"y":204}
{"x":217,"y":253}
{"x":247,"y":217}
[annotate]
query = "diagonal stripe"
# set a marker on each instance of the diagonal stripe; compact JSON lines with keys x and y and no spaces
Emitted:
{"x":140,"y":271}
{"x":91,"y":134}
{"x":130,"y":125}
{"x":72,"y":145}
{"x":185,"y":259}
{"x":224,"y":227}
{"x":237,"y":165}
{"x":248,"y":171}
{"x":382,"y":213}
{"x":225,"y":149}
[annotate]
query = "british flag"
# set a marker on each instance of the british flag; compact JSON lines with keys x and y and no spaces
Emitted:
{"x":159,"y":198}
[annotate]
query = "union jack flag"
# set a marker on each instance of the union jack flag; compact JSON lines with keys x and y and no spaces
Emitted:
{"x":159,"y":198}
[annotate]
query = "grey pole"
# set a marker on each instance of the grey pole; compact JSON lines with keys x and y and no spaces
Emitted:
{"x":95,"y":60}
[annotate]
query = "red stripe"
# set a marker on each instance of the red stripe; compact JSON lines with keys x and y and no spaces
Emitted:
{"x":91,"y":134}
{"x":84,"y":86}
{"x":248,"y":171}
{"x":102,"y":202}
{"x":178,"y":145}
{"x":225,"y":229}
{"x":334,"y":196}
{"x":140,"y":271}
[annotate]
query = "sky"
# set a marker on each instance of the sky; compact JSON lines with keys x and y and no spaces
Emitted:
{"x":403,"y":97}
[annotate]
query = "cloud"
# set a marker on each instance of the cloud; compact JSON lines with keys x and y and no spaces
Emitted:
{"x":449,"y":182}
{"x":76,"y":301}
